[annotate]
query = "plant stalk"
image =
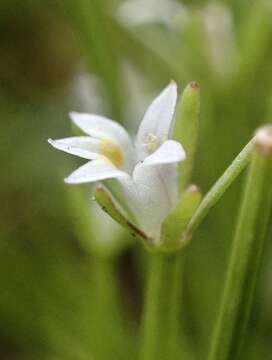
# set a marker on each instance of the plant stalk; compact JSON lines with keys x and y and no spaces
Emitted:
{"x":161,"y":313}
{"x":246,"y":256}
{"x":219,"y":188}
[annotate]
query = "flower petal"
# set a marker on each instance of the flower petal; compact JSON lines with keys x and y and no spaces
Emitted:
{"x":169,"y":152}
{"x":102,"y":128}
{"x":93,"y":171}
{"x":157,"y":188}
{"x":82,"y":146}
{"x":138,"y":12}
{"x":123,"y":190}
{"x":158,"y":117}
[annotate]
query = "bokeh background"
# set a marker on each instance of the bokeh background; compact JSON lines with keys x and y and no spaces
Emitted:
{"x":71,"y":281}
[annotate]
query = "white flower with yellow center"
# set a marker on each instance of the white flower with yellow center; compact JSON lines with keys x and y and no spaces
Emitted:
{"x":145,"y":171}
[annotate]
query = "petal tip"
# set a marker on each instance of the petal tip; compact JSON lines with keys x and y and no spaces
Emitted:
{"x":172,"y":90}
{"x":52,"y":142}
{"x":56,"y":144}
{"x":76,"y":117}
{"x":173,"y":86}
{"x":69,"y":180}
{"x":73,"y":115}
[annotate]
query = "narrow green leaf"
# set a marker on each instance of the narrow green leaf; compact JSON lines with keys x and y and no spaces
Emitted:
{"x":246,"y":254}
{"x":219,"y":188}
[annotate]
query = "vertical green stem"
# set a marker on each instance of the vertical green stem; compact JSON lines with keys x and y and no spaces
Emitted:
{"x":246,"y":255}
{"x":161,"y":314}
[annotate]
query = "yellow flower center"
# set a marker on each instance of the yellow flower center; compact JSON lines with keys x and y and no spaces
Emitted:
{"x":112,"y":152}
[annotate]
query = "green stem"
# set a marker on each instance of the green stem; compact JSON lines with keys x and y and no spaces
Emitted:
{"x":161,"y":313}
{"x":219,"y":188}
{"x":245,"y":259}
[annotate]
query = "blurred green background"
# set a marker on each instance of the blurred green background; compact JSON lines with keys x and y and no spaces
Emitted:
{"x":71,"y":281}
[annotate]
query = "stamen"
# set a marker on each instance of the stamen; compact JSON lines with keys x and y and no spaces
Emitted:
{"x":112,"y":152}
{"x":151,"y":143}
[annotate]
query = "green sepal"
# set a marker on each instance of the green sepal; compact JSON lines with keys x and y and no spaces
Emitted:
{"x":176,"y":222}
{"x":106,"y":203}
{"x":186,"y":129}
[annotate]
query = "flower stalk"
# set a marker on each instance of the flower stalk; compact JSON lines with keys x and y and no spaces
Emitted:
{"x":141,"y":191}
{"x":246,"y":252}
{"x":162,"y":306}
{"x":219,"y":188}
{"x":162,"y":303}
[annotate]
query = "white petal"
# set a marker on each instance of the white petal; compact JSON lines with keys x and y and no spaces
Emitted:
{"x":95,"y":171}
{"x":124,"y":189}
{"x":102,"y":128}
{"x":158,"y":190}
{"x":124,"y":192}
{"x":82,"y":146}
{"x":158,"y":117}
{"x":135,"y":12}
{"x":169,"y":152}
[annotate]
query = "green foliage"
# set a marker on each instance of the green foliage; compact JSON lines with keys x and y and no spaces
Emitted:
{"x":62,"y":297}
{"x":246,"y":255}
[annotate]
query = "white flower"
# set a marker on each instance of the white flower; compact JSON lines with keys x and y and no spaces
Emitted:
{"x":135,"y":12}
{"x":145,"y":172}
